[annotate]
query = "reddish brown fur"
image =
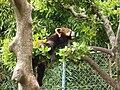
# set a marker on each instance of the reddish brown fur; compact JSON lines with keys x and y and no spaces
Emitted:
{"x":61,"y":37}
{"x":40,"y":42}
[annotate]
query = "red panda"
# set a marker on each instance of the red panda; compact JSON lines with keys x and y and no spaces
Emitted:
{"x":61,"y":37}
{"x":40,"y":42}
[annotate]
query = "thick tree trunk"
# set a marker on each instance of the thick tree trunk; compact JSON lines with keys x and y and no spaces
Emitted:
{"x":22,"y":47}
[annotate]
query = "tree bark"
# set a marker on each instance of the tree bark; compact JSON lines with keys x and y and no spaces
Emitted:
{"x":105,"y":50}
{"x":117,"y":54}
{"x":22,"y":47}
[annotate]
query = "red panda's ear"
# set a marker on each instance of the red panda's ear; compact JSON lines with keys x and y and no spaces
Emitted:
{"x":57,"y":31}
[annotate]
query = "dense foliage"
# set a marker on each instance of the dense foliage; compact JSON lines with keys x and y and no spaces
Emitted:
{"x":48,"y":15}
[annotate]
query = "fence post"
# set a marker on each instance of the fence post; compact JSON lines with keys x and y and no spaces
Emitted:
{"x":63,"y":74}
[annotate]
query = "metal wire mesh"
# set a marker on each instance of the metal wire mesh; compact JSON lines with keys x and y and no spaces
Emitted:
{"x":80,"y":76}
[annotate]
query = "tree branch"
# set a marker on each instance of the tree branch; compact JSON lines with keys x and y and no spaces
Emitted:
{"x":108,"y":30}
{"x":100,"y":71}
{"x":117,"y":52}
{"x":105,"y":50}
{"x":79,"y":15}
{"x":108,"y":27}
{"x":118,"y":33}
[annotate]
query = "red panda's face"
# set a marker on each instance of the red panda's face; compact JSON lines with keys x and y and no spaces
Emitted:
{"x":65,"y":31}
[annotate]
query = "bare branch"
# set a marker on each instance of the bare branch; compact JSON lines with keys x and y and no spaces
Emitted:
{"x":100,"y":71}
{"x":79,"y":15}
{"x":105,"y":50}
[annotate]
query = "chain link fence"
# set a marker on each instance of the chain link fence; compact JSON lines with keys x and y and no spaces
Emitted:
{"x":80,"y":76}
